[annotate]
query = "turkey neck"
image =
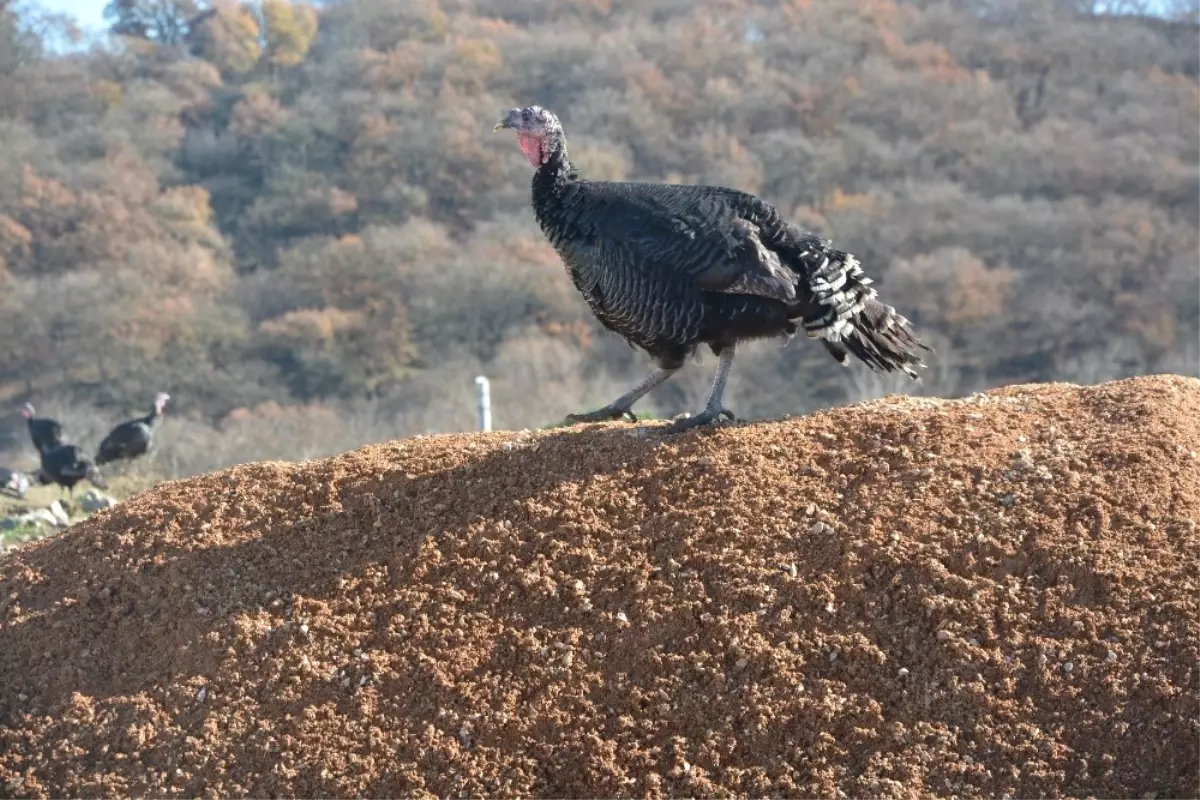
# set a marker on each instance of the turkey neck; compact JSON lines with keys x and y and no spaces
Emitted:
{"x":551,"y":180}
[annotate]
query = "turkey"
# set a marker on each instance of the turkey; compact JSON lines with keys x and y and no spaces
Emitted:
{"x":46,"y":433}
{"x":66,"y":465}
{"x":671,"y":268}
{"x":132,"y":439}
{"x":13,"y":482}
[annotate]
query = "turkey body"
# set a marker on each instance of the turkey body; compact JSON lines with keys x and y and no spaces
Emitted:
{"x":66,"y":465}
{"x":133,"y":438}
{"x":128,"y":440}
{"x":672,"y":267}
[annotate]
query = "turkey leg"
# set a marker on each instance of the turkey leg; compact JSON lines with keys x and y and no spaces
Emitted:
{"x":713,"y":409}
{"x":623,"y":405}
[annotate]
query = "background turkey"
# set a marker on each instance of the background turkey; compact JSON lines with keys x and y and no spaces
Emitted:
{"x":132,"y":439}
{"x":13,"y":482}
{"x":66,"y":465}
{"x":45,"y":432}
{"x":673,"y":267}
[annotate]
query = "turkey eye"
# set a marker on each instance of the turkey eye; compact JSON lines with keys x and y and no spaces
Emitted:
{"x":525,"y":114}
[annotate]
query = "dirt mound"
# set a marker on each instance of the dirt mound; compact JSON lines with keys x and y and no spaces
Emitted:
{"x":907,"y":598}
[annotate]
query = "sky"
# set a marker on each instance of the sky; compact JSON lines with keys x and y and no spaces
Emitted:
{"x":88,"y":13}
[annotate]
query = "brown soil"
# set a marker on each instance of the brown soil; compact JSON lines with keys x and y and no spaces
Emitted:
{"x":908,"y":598}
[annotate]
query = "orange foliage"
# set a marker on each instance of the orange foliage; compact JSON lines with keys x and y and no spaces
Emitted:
{"x":190,"y":203}
{"x":257,"y":114}
{"x":951,"y":286}
{"x":398,"y":68}
{"x":883,"y":15}
{"x":578,"y":332}
{"x":496,"y":28}
{"x":839,"y":200}
{"x":43,"y":193}
{"x":1175,"y":80}
{"x":648,"y":79}
{"x":15,"y":240}
{"x":110,"y":93}
{"x":231,"y":38}
{"x":977,"y":293}
{"x":374,"y":128}
{"x":478,"y":53}
{"x":312,"y":325}
{"x":180,"y":305}
{"x":474,"y":61}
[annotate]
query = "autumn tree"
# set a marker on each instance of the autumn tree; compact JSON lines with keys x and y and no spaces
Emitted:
{"x":228,"y":36}
{"x":289,"y":31}
{"x":165,"y":22}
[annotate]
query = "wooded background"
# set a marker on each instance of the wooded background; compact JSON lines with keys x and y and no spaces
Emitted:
{"x":297,"y":220}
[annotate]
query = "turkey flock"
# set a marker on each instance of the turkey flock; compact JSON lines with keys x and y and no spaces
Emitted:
{"x":67,"y":464}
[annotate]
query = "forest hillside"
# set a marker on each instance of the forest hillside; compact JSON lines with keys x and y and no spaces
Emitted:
{"x":297,"y":221}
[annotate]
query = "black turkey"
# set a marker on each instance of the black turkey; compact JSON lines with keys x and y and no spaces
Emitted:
{"x":66,"y":465}
{"x":46,"y":433}
{"x":672,"y":267}
{"x":132,"y":439}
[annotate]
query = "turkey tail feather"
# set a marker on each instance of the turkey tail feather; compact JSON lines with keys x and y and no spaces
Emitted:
{"x":850,"y":320}
{"x":882,"y":339}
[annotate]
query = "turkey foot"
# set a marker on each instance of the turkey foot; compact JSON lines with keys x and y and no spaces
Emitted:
{"x":713,"y":409}
{"x":621,"y":408}
{"x":706,"y":417}
{"x":613,"y":411}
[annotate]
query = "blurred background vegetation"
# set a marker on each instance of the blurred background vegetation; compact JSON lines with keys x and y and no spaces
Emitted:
{"x":297,"y":221}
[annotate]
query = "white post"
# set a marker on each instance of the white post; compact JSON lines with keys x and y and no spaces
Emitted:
{"x":484,"y":397}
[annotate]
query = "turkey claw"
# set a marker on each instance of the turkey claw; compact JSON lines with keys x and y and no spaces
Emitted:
{"x":602,"y":415}
{"x":706,"y":417}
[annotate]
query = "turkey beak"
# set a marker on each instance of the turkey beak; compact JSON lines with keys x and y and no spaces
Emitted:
{"x":509,"y":121}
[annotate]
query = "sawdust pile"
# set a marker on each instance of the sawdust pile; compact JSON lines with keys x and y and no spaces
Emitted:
{"x":909,"y":598}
